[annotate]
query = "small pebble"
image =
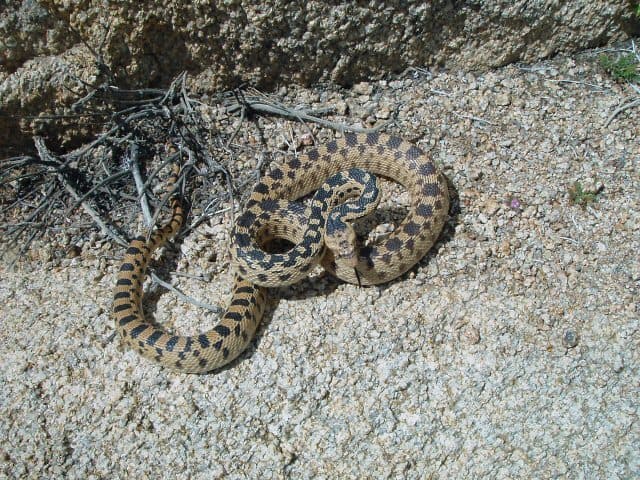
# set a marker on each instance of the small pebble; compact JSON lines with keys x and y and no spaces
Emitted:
{"x":470,"y":335}
{"x":570,"y":338}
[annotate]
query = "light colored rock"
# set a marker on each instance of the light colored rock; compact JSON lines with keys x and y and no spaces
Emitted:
{"x":270,"y":43}
{"x":503,"y":99}
{"x":376,"y":382}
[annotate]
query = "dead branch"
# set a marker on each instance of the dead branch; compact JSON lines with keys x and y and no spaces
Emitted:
{"x":622,"y":108}
{"x":45,"y":189}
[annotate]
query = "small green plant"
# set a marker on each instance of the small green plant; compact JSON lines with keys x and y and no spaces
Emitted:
{"x":579,"y":196}
{"x":624,"y":67}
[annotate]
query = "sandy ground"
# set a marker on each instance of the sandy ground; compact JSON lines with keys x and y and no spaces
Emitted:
{"x":510,"y":351}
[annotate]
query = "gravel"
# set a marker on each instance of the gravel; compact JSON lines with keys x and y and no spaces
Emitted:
{"x":510,"y":351}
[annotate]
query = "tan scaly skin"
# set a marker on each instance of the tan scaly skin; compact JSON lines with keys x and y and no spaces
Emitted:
{"x":382,"y":155}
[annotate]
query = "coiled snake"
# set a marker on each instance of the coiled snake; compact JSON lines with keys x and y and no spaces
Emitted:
{"x":337,"y":170}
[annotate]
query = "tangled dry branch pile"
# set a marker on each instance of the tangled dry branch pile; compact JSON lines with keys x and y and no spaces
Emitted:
{"x":113,"y":175}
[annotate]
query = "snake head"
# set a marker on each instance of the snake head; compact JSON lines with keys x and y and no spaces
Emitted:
{"x":343,"y":246}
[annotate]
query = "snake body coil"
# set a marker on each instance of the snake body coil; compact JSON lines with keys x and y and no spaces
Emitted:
{"x":269,"y":213}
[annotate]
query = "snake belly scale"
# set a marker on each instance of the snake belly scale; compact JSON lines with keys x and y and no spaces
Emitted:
{"x":379,"y":154}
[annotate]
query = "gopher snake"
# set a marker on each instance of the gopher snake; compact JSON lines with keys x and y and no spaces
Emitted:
{"x":269,"y":215}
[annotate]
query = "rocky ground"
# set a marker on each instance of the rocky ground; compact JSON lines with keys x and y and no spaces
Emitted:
{"x":510,"y":351}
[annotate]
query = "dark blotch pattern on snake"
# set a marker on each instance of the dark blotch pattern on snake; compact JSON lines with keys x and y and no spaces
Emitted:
{"x":337,"y":170}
